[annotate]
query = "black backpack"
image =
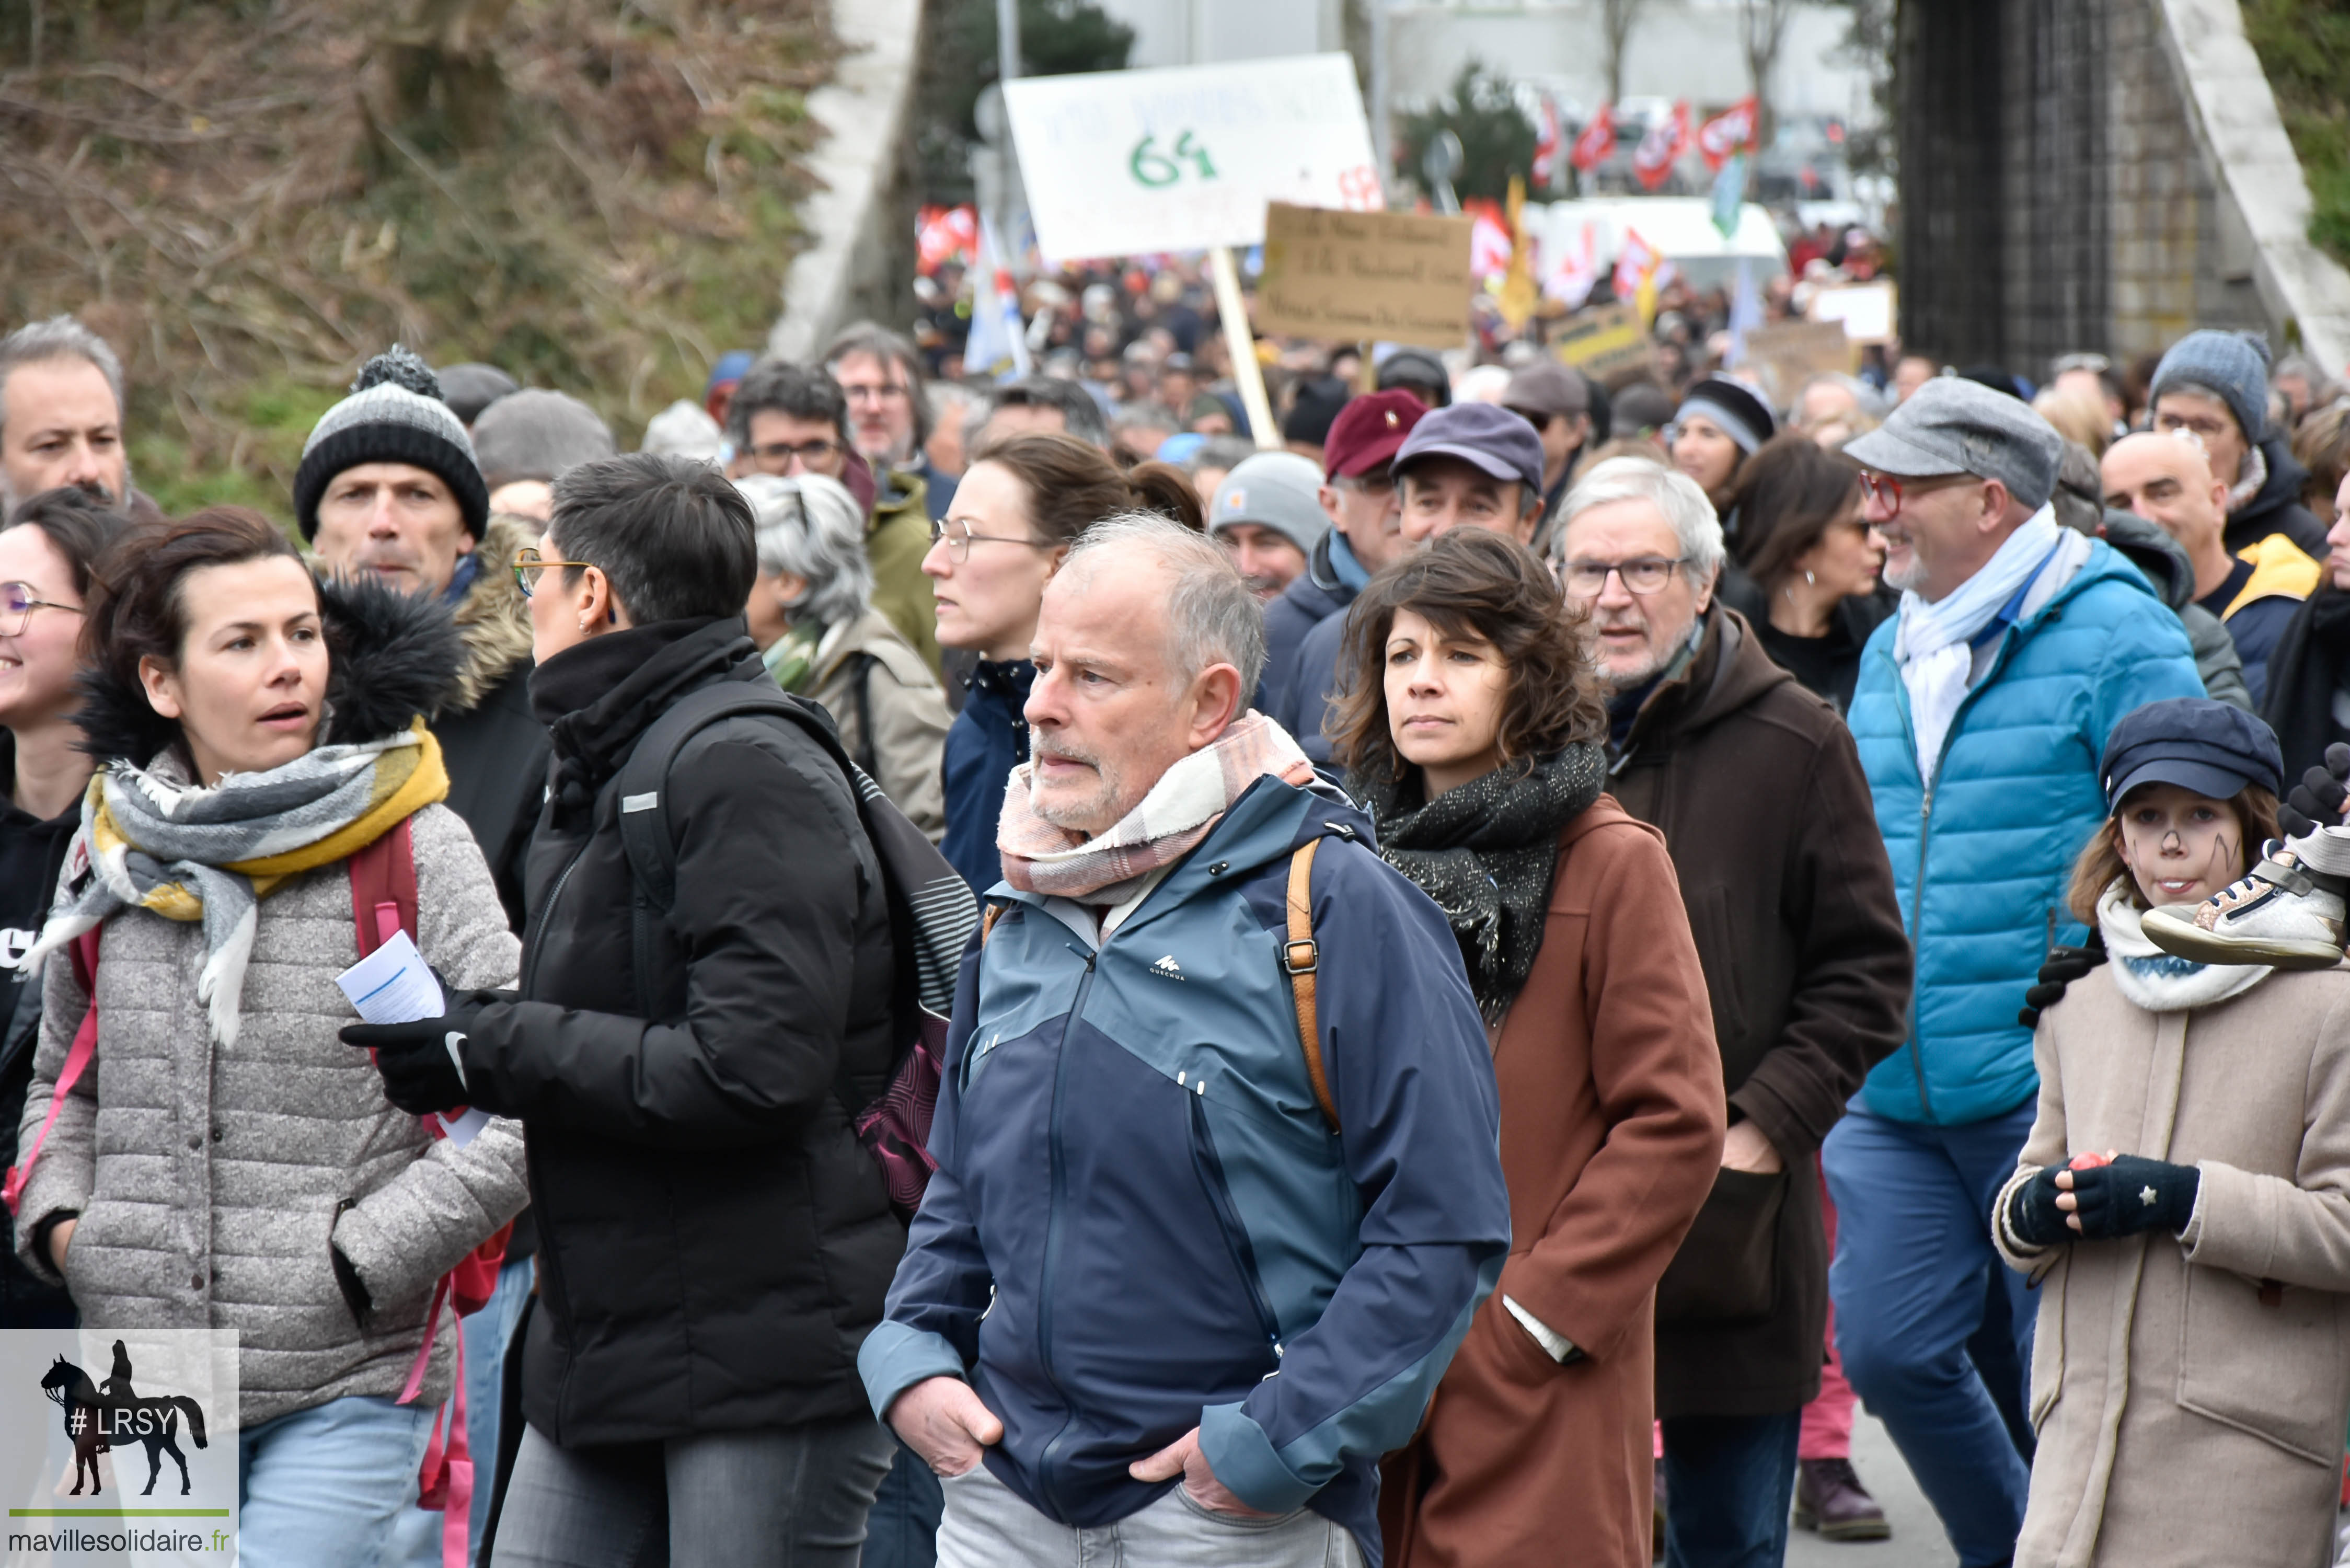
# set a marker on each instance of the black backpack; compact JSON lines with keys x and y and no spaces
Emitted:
{"x":931,"y":910}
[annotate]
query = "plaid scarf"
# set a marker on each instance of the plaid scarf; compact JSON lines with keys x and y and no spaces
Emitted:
{"x":1180,"y":810}
{"x":150,"y":841}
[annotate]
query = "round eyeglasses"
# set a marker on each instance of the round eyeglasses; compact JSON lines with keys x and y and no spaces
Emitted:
{"x":528,"y":564}
{"x":17,"y":603}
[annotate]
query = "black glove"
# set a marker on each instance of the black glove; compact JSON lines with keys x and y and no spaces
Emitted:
{"x":2063,"y":967}
{"x":2135,"y":1194}
{"x":2317,"y":800}
{"x":424,"y":1063}
{"x":2032,"y":1217}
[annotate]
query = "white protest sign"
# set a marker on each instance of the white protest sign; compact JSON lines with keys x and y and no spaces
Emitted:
{"x":1125,"y":162}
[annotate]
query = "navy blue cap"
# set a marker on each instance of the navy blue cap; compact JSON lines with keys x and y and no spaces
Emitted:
{"x":2194,"y":742}
{"x":1486,"y":436}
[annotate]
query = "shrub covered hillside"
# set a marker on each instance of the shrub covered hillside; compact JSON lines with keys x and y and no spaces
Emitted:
{"x":249,"y":197}
{"x":2304,"y":48}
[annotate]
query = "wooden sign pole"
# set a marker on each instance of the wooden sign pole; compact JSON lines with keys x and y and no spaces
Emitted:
{"x":1247,"y":374}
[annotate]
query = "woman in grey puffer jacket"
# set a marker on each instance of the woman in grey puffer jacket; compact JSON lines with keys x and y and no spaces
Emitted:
{"x":226,"y":1162}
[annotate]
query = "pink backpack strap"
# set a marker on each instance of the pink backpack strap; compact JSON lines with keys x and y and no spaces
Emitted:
{"x":78,"y":1060}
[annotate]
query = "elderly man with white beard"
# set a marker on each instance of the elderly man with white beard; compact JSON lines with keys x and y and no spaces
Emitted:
{"x":1217,"y":1103}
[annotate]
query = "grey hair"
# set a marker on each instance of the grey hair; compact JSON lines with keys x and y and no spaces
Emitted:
{"x":1213,"y":615}
{"x":809,"y":527}
{"x":887,"y":347}
{"x":59,"y":338}
{"x":1670,"y":492}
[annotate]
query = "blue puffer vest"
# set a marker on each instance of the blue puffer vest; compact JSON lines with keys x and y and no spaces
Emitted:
{"x":1982,"y":860}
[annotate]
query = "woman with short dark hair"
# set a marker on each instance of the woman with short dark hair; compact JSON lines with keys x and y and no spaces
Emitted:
{"x":1812,"y":562}
{"x":224,"y":1162}
{"x":1479,"y":747}
{"x":49,"y":551}
{"x":714,"y":1242}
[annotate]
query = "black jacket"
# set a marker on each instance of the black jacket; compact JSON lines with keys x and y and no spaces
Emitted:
{"x":1313,"y":597}
{"x":492,"y":745}
{"x":1759,"y":791}
{"x":31,"y":851}
{"x":714,"y":1244}
{"x":2277,"y":509}
{"x":2306,"y":680}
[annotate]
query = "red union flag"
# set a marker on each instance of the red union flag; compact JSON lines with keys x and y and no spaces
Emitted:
{"x":1598,"y":140}
{"x":1662,"y":148}
{"x":1636,"y":264}
{"x":1733,"y":128}
{"x":1548,"y":139}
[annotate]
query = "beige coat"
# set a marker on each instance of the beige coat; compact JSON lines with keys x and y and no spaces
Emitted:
{"x":2189,"y":1392}
{"x":865,"y":668}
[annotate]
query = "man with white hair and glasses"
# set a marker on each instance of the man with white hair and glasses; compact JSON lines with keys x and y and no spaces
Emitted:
{"x":1760,"y":794}
{"x":1217,"y":1105}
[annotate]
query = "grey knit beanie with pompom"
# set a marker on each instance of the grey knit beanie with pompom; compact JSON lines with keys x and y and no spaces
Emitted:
{"x":394,"y":414}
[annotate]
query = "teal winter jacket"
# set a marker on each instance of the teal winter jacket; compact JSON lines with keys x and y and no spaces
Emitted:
{"x":1980,"y":861}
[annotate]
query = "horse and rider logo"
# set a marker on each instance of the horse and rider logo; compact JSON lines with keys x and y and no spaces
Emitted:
{"x":103,"y":1417}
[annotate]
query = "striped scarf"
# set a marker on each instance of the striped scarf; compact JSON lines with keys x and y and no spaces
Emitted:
{"x":1169,"y":823}
{"x":150,"y":842}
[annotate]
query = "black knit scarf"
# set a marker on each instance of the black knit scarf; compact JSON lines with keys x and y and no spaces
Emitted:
{"x":1485,"y":853}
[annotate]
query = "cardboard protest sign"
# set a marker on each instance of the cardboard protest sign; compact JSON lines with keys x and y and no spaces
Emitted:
{"x":1606,"y":343}
{"x":1788,"y":355}
{"x":1393,"y":278}
{"x":1128,"y":162}
{"x":1868,"y":312}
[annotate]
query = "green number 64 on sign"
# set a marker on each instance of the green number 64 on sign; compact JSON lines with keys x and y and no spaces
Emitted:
{"x":1159,"y":169}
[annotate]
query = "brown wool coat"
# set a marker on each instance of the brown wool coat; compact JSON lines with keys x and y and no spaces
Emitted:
{"x":2187,"y":1415}
{"x":1611,"y":1131}
{"x":1759,"y":792}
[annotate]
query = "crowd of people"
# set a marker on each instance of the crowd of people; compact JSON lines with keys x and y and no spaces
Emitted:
{"x":1026,"y":976}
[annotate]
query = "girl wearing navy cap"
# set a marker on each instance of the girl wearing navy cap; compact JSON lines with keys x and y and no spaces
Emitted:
{"x":2183,"y":1202}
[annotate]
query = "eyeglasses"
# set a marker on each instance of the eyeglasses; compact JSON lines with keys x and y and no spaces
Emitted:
{"x":960,"y":539}
{"x":1885,"y":491}
{"x":2095,"y":363}
{"x":1644,"y":575}
{"x":2206,"y":428}
{"x":17,"y":605}
{"x":528,"y":564}
{"x":867,"y":393}
{"x":1537,"y":418}
{"x":781,"y":452}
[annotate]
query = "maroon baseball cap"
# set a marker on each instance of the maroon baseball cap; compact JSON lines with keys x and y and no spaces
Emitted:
{"x":1363,"y":439}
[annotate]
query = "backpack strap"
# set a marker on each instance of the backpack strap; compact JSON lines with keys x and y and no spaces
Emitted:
{"x":383,"y":888}
{"x":79,"y":1056}
{"x":987,"y":920}
{"x":643,"y":787}
{"x":1301,"y":960}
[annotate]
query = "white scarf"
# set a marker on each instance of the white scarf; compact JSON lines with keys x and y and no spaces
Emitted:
{"x":1931,"y":641}
{"x":2151,"y":979}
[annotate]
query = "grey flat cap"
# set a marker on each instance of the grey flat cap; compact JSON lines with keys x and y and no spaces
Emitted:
{"x":1951,"y":425}
{"x":1274,"y":489}
{"x":538,"y":434}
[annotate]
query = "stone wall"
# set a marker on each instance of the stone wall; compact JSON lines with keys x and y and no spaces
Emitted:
{"x":2059,"y":188}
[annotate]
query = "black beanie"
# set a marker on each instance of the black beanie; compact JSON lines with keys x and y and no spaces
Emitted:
{"x":394,"y":414}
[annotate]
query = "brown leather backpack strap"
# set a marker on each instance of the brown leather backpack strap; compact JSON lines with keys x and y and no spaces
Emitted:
{"x":1301,"y":960}
{"x":987,"y":919}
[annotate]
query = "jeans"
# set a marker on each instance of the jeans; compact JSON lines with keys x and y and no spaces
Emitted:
{"x":902,"y":1530}
{"x":417,"y":1536}
{"x":326,"y":1484}
{"x":788,"y":1497}
{"x":1914,"y":1268}
{"x":1727,"y":1481}
{"x":989,"y":1525}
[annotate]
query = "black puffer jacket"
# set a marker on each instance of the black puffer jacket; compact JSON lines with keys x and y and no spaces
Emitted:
{"x":715,"y":1244}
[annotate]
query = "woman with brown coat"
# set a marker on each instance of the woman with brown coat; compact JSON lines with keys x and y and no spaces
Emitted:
{"x":1478,"y":754}
{"x":2183,"y":1202}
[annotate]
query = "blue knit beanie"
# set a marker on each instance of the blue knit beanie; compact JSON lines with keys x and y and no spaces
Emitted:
{"x":2230,"y":366}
